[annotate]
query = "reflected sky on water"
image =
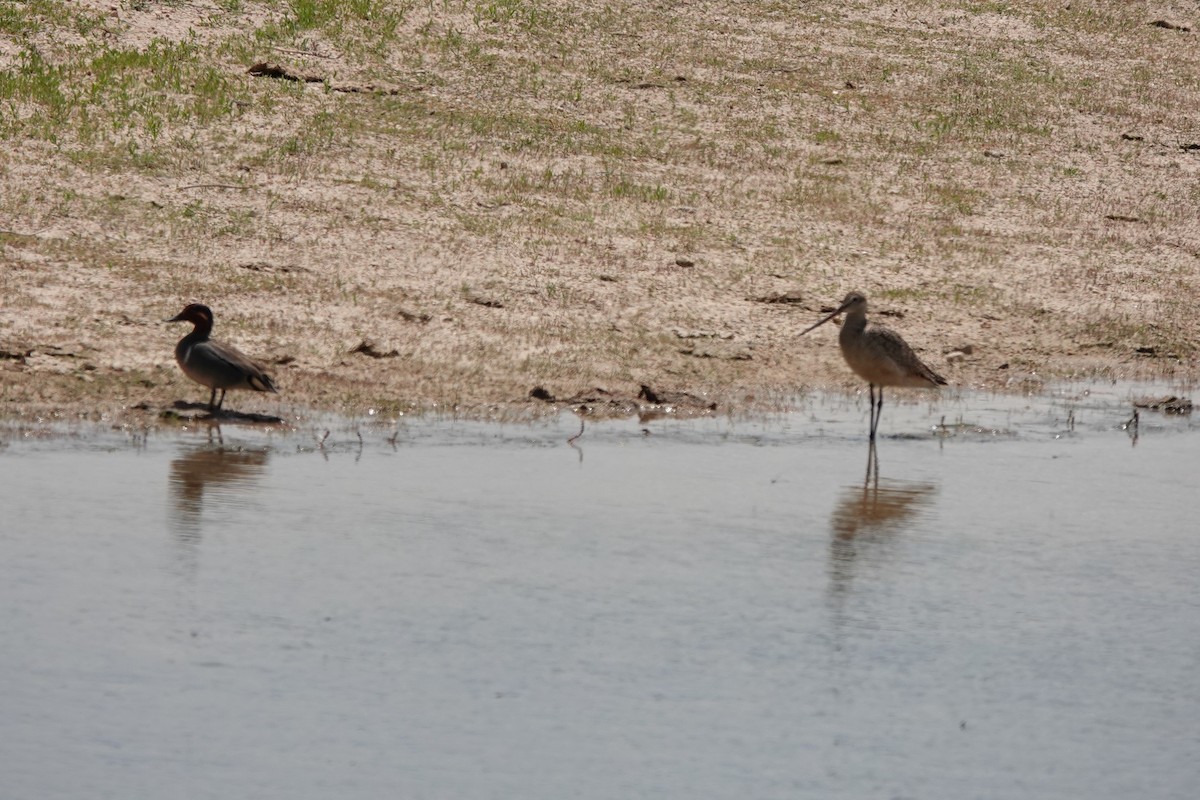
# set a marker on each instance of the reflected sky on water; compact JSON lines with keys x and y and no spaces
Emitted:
{"x":1002,"y":605}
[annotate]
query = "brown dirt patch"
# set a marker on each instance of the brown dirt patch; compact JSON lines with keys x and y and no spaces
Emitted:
{"x":579,"y":196}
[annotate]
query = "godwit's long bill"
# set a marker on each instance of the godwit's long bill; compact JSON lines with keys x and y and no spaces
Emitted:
{"x":878,"y":354}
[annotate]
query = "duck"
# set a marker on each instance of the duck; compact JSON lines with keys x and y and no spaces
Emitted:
{"x":216,"y":364}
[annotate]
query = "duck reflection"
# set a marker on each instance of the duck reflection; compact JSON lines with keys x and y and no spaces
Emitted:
{"x":867,"y":517}
{"x":204,"y":469}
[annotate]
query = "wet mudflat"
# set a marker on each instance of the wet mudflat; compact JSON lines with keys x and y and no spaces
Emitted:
{"x":691,"y":609}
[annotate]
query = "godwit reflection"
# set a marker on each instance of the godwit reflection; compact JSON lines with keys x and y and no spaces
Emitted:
{"x":866,"y":520}
{"x":202,"y":470}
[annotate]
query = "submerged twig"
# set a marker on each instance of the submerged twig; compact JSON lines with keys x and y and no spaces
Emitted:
{"x":1131,"y":427}
{"x":574,"y":438}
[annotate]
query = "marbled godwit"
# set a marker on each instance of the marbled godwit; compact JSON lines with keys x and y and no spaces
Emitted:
{"x":877,"y":354}
{"x":215,"y":364}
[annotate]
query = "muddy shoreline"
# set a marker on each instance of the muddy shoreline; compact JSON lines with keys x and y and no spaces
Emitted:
{"x":455,"y":207}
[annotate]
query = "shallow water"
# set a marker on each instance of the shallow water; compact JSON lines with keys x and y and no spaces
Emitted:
{"x":671,"y":609}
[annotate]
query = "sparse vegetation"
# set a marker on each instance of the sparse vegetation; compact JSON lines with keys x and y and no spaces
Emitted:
{"x":998,"y":170}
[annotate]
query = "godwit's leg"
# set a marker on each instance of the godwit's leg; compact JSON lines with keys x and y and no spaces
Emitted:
{"x":212,"y":398}
{"x":222,"y":400}
{"x":871,"y":406}
{"x":876,"y":410}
